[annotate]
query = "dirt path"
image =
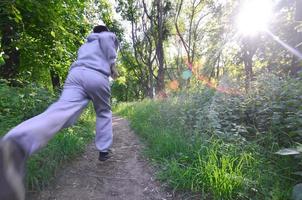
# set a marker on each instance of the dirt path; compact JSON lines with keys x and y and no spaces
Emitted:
{"x":126,"y":176}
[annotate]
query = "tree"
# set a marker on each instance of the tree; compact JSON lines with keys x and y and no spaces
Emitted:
{"x":41,"y":38}
{"x":148,"y":33}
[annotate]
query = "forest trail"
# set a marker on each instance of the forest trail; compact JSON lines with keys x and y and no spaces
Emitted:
{"x":126,"y":176}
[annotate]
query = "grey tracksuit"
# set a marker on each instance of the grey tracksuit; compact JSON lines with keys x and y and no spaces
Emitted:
{"x":87,"y":80}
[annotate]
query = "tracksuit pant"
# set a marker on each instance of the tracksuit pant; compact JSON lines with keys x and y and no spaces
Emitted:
{"x":81,"y":86}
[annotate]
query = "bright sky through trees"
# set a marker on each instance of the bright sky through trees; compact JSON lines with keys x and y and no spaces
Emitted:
{"x":254,"y":16}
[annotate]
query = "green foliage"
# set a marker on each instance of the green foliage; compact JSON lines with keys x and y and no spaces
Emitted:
{"x":273,"y":105}
{"x":47,"y":35}
{"x":128,"y":86}
{"x":19,"y":104}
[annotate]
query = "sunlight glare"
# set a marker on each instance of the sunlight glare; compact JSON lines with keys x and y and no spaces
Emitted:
{"x":254,"y":16}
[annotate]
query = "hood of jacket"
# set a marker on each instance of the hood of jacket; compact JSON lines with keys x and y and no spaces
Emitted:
{"x":95,"y":36}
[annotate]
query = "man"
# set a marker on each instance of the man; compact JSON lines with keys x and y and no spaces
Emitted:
{"x":88,"y":79}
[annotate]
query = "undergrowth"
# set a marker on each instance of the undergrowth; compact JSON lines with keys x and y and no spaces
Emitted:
{"x":223,"y":146}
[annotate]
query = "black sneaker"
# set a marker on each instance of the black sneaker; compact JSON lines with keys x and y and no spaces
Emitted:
{"x":104,"y":156}
{"x":12,"y":165}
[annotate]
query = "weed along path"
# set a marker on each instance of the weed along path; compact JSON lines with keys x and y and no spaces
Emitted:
{"x":126,"y":176}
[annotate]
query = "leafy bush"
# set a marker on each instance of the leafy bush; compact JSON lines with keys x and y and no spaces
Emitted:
{"x":19,"y":104}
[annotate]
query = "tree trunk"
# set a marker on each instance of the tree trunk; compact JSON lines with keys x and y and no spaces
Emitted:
{"x":296,"y":66}
{"x":248,"y":50}
{"x":150,"y":88}
{"x":11,"y":55}
{"x":159,"y":49}
{"x":248,"y":68}
{"x":55,"y":80}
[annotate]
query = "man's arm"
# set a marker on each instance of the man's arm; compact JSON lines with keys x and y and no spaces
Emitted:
{"x":114,"y":72}
{"x":109,"y":46}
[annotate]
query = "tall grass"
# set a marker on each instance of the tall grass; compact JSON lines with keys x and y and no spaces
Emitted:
{"x":219,"y":145}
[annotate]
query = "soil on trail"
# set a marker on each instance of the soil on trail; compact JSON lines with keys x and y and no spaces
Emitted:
{"x":126,"y":176}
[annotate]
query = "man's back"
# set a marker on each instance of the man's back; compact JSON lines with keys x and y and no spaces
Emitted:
{"x":99,"y":52}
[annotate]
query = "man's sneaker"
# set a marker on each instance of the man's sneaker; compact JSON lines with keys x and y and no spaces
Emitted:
{"x":104,"y":155}
{"x":12,"y":165}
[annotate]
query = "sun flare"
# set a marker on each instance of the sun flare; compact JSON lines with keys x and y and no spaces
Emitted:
{"x":254,"y":16}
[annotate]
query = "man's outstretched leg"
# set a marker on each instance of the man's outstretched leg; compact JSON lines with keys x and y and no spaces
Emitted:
{"x":33,"y":134}
{"x":26,"y":139}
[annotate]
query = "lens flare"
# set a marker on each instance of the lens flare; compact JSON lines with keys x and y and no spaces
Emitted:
{"x":186,"y":74}
{"x":174,"y":85}
{"x":294,"y":51}
{"x":206,"y":81}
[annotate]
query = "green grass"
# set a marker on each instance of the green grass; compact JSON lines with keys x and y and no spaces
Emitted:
{"x":206,"y":164}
